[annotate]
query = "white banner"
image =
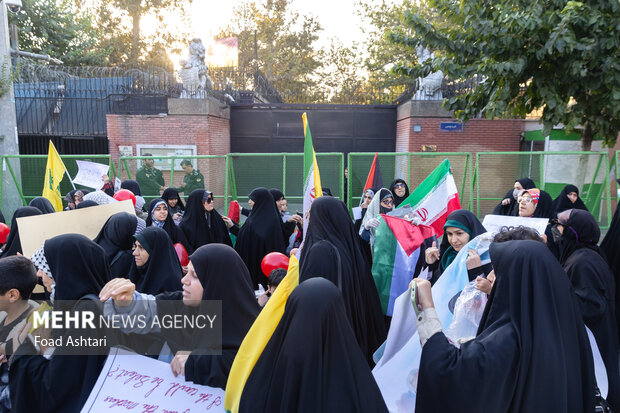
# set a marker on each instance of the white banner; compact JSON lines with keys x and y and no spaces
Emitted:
{"x":130,"y":381}
{"x":494,"y":223}
{"x":90,"y":173}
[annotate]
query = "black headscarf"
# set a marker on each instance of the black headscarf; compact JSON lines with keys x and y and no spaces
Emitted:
{"x":260,"y":234}
{"x":175,"y":233}
{"x":202,"y":227}
{"x":332,"y":240}
{"x":42,"y":204}
{"x":86,"y":204}
{"x":511,"y":207}
{"x":79,"y":268}
{"x":133,"y":186}
{"x":399,"y":199}
{"x":116,"y":238}
{"x":276,"y":194}
{"x":465,"y":220}
{"x":530,"y":307}
{"x":13,"y":244}
{"x":224,"y":277}
{"x":172,"y":193}
{"x":609,"y":248}
{"x":562,"y":203}
{"x":594,"y":286}
{"x":310,"y":364}
{"x":162,"y":272}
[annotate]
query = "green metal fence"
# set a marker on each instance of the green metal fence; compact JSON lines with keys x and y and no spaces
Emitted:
{"x":285,"y":172}
{"x":32,"y":169}
{"x":551,"y":171}
{"x":481,"y":184}
{"x":413,"y":167}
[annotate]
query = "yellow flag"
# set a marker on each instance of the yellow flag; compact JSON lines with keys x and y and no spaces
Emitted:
{"x":54,"y":172}
{"x":256,"y":339}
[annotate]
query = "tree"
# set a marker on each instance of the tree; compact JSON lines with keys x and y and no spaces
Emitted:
{"x":561,"y":56}
{"x":383,"y":54}
{"x":278,"y":41}
{"x":119,"y":24}
{"x":51,"y":27}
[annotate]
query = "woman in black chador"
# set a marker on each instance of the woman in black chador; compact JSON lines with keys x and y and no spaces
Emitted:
{"x":531,"y":352}
{"x":202,"y":224}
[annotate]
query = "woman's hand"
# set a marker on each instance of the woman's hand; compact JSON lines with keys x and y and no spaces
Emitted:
{"x":484,"y":284}
{"x":295,"y":218}
{"x":432,"y":254}
{"x":227,"y":221}
{"x":506,"y":201}
{"x":178,"y":363}
{"x":120,"y":290}
{"x":424,"y":297}
{"x":473,"y":260}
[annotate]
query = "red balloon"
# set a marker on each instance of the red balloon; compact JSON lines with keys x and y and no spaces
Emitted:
{"x":181,"y":253}
{"x":272,"y":261}
{"x":124,"y":194}
{"x":4,"y":232}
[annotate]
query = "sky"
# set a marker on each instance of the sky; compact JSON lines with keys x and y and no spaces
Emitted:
{"x":337,"y":17}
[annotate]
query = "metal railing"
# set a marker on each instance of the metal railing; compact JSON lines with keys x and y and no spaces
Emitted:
{"x":413,"y":167}
{"x":482,"y":184}
{"x":32,"y":169}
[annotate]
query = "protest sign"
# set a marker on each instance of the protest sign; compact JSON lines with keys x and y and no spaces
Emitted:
{"x":90,"y":173}
{"x":131,"y":381}
{"x":494,"y":223}
{"x":34,"y":230}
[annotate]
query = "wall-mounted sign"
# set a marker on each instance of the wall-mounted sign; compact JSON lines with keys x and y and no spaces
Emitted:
{"x":451,"y":127}
{"x":168,"y":150}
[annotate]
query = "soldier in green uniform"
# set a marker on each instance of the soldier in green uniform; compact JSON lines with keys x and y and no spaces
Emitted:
{"x":193,"y":179}
{"x":151,"y":179}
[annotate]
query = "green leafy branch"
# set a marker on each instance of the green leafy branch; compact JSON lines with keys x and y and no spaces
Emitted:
{"x":7,"y":76}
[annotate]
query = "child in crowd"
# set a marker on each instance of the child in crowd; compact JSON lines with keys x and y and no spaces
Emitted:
{"x":18,"y":277}
{"x":274,"y":280}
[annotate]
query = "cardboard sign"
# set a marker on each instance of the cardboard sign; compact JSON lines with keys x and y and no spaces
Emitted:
{"x":34,"y":230}
{"x":494,"y":223}
{"x":129,"y":381}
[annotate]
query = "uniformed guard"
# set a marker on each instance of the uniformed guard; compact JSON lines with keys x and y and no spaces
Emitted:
{"x":193,"y":179}
{"x":151,"y":179}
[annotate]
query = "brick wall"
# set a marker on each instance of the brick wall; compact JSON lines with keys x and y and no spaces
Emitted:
{"x":211,"y":135}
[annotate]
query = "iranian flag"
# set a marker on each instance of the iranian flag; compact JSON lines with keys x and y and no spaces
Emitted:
{"x":312,"y":179}
{"x":435,"y":198}
{"x":398,"y":243}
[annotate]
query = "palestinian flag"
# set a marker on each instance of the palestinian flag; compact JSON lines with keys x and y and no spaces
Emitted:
{"x":374,"y":179}
{"x":312,"y":179}
{"x":435,"y":198}
{"x":398,"y":245}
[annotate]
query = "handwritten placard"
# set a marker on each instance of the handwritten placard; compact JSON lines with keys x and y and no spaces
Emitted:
{"x":494,"y":223}
{"x":129,"y":381}
{"x":90,"y":174}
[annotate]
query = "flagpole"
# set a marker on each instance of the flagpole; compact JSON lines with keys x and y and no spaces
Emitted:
{"x":70,"y":180}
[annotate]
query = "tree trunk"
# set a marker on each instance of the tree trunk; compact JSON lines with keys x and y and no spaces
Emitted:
{"x":586,"y":145}
{"x":135,"y":12}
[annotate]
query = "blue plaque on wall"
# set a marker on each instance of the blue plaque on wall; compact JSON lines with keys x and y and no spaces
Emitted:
{"x":451,"y":127}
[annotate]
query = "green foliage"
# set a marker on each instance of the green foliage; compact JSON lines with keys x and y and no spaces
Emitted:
{"x":383,"y":18}
{"x":7,"y":76}
{"x":278,"y":41}
{"x":51,"y":27}
{"x":561,"y":56}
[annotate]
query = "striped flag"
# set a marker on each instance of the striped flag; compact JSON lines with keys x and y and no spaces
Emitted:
{"x":257,"y":337}
{"x":398,"y":243}
{"x":312,"y":179}
{"x":435,"y":198}
{"x":374,"y":179}
{"x":54,"y":172}
{"x":397,"y":249}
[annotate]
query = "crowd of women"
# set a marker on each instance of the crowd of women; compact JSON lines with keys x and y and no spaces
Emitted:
{"x":531,"y":351}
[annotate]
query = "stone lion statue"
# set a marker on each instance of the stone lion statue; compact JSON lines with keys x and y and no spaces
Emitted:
{"x":193,"y":72}
{"x":429,"y":87}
